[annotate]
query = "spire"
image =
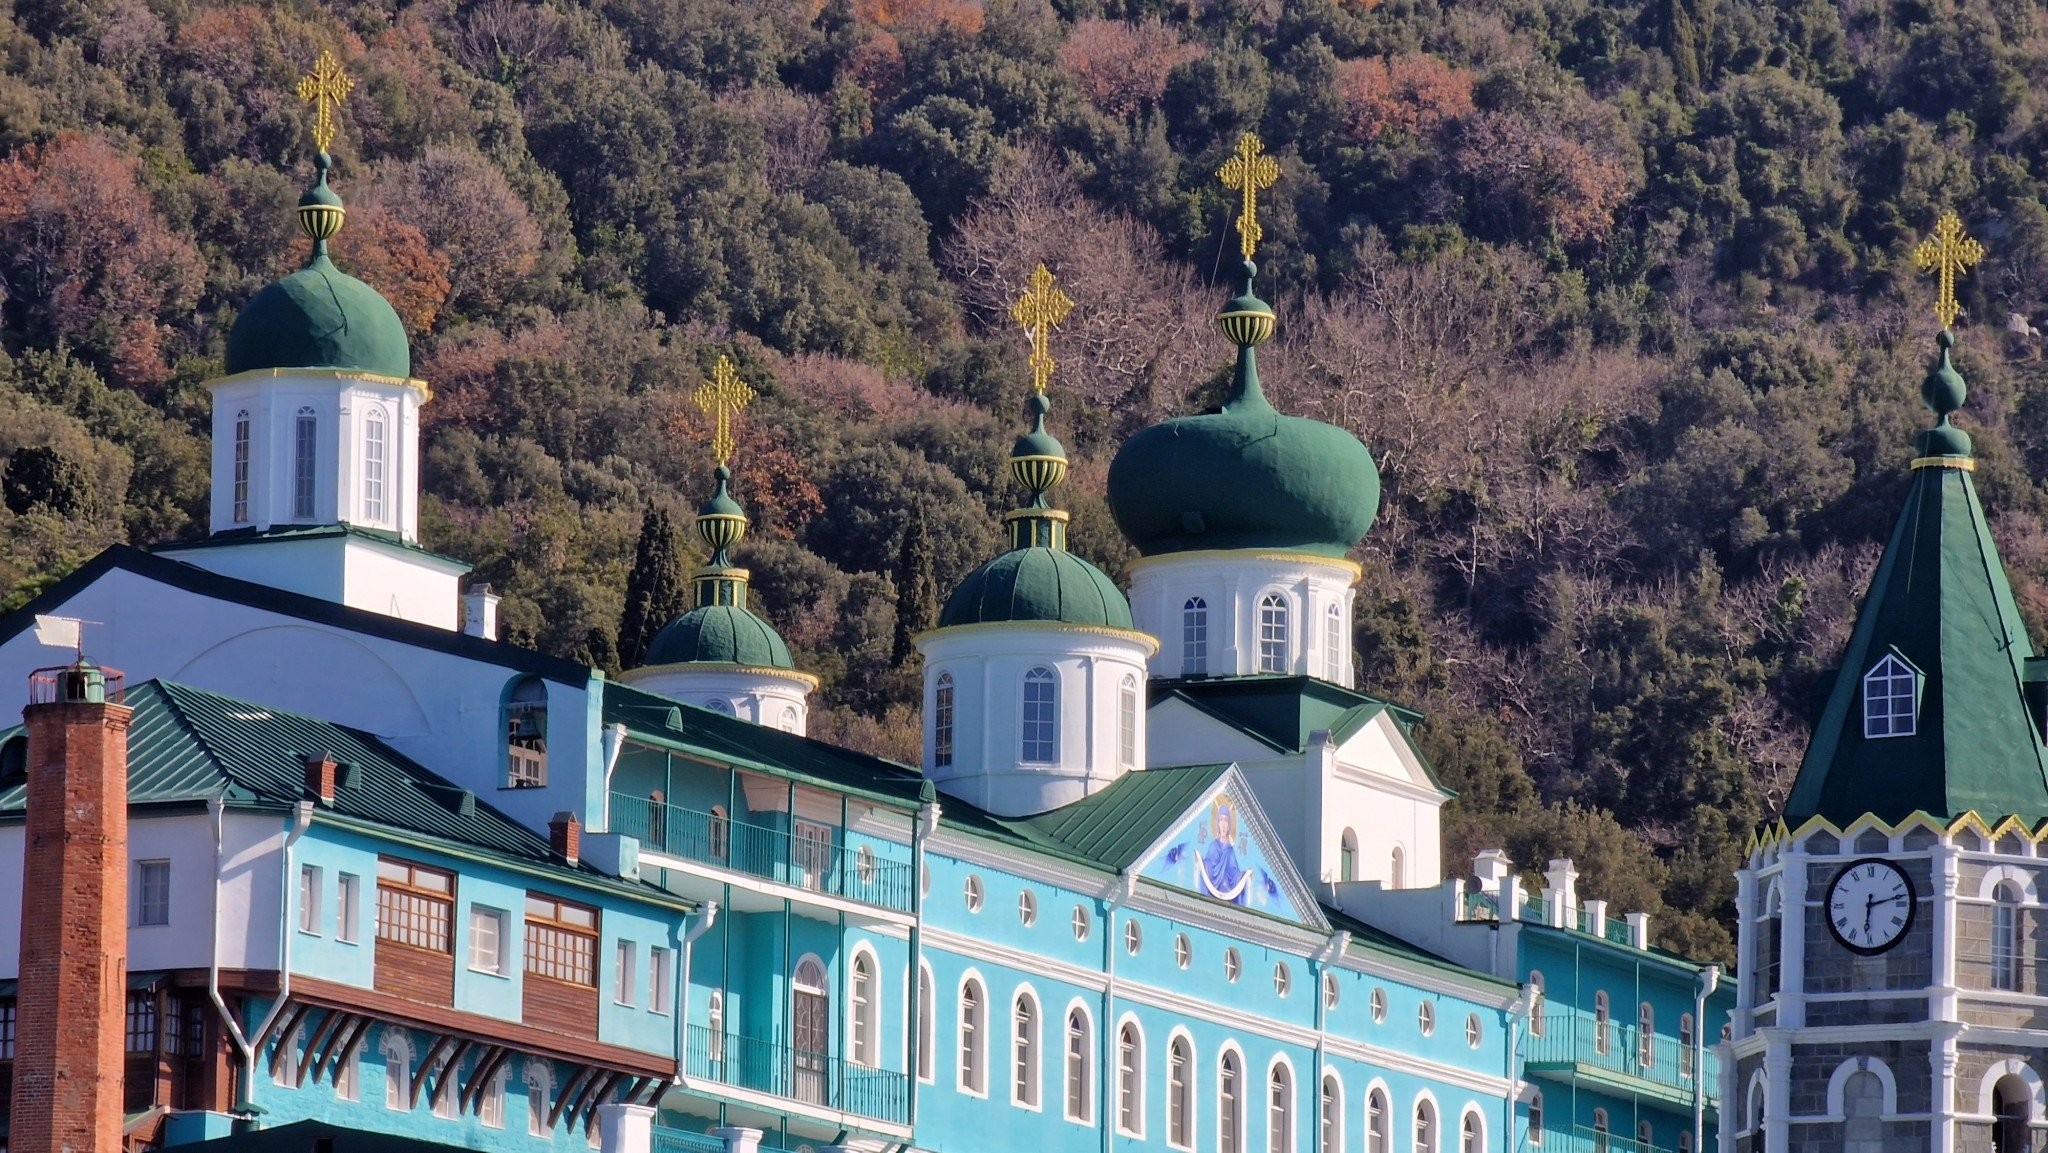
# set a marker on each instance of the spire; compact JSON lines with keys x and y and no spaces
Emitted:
{"x":1037,"y":460}
{"x":1940,"y":702}
{"x":320,"y":210}
{"x":1246,"y":320}
{"x":721,"y":522}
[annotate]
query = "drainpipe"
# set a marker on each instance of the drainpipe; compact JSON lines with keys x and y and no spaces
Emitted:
{"x":1106,"y":1067}
{"x":1319,"y":969}
{"x":707,"y":916}
{"x":611,"y":743}
{"x":922,"y":826}
{"x":217,"y":808}
{"x":1710,"y":980}
{"x":1518,"y":1015}
{"x":302,"y":816}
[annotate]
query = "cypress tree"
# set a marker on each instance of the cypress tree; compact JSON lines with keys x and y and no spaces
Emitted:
{"x":658,"y":591}
{"x":917,"y":586}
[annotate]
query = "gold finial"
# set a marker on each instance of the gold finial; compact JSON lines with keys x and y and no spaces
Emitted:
{"x":1249,"y":171}
{"x":1946,"y":253}
{"x":325,"y":87}
{"x":722,"y":397}
{"x":1042,"y":307}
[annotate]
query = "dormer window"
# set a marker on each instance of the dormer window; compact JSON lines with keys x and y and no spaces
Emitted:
{"x":1891,"y":698}
{"x":526,"y":735}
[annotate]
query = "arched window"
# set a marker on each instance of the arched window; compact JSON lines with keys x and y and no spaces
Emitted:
{"x":1686,"y":1040}
{"x":719,"y":833}
{"x":526,"y":734}
{"x":1180,"y":1094}
{"x":1599,"y":1131}
{"x":1891,"y":695}
{"x":714,"y":1027}
{"x":1755,"y":1111}
{"x":241,"y":466}
{"x":1644,"y":1135}
{"x":397,"y":1050}
{"x":1347,"y":856}
{"x":1280,"y":1110}
{"x":1041,"y":745}
{"x":1535,"y":1002}
{"x":2012,"y":1107}
{"x":973,"y":1038}
{"x":942,"y":722}
{"x":719,"y":705}
{"x":1397,"y":869}
{"x":1333,"y":644}
{"x":810,"y":1016}
{"x":788,"y":722}
{"x":305,"y":461}
{"x":1646,"y":1035}
{"x":1194,"y":638}
{"x":1425,"y":1126}
{"x":1130,"y":1080}
{"x":1127,"y":723}
{"x":1080,"y":1052}
{"x":2005,"y":936}
{"x":373,"y":465}
{"x":1600,"y":1019}
{"x":1024,"y":1051}
{"x":927,"y":1028}
{"x":1472,"y":1133}
{"x":540,"y":1085}
{"x":1272,"y":633}
{"x":1330,"y":1118}
{"x":1230,"y":1103}
{"x":1379,"y":1123}
{"x":1535,"y":1118}
{"x":867,"y":1039}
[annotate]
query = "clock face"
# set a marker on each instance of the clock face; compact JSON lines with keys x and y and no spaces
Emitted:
{"x":1870,"y":905}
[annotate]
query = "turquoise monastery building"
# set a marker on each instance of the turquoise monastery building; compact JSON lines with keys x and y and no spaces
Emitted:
{"x":1167,"y":879}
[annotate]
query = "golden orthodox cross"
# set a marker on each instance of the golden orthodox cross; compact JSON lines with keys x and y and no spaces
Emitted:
{"x":325,"y":87}
{"x":722,"y":397}
{"x":1042,"y":307}
{"x":1248,"y":172}
{"x":1946,"y":253}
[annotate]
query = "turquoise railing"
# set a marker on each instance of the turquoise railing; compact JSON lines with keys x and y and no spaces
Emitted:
{"x":798,"y":1075}
{"x":1581,"y":1040}
{"x":820,"y":865}
{"x":667,"y":1140}
{"x":1586,"y":1139}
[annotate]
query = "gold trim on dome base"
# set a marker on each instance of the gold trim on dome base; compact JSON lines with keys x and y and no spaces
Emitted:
{"x":1356,"y":570}
{"x":1150,"y":642}
{"x":1036,"y":514}
{"x":419,"y":386}
{"x":1965,"y":463}
{"x":721,"y":667}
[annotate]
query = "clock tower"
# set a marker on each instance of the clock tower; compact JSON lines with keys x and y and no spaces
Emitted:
{"x":1893,"y":944}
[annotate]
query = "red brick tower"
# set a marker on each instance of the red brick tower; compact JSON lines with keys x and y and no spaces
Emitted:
{"x":74,"y":934}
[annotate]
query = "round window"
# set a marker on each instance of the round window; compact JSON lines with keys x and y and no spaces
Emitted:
{"x":1232,"y":966}
{"x":1133,"y":937}
{"x":1080,"y":923}
{"x":1472,"y":1030}
{"x":973,"y":893}
{"x":1379,"y":1006}
{"x":1426,"y":1018}
{"x":1027,"y":908}
{"x":1282,"y":979}
{"x":1183,"y":952}
{"x":1329,"y":990}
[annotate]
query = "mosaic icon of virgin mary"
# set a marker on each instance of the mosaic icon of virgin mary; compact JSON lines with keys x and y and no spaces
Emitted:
{"x":1218,"y":869}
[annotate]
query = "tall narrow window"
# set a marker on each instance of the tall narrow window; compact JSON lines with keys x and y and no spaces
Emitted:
{"x":539,"y":1087}
{"x":348,"y":909}
{"x":1891,"y":690}
{"x":1425,"y":1127}
{"x":1333,"y":644}
{"x":1472,"y":1135}
{"x":927,"y":1027}
{"x":1535,"y":1002}
{"x":2012,"y":1107}
{"x":867,"y":1045}
{"x":1600,"y":1131}
{"x":1272,"y":633}
{"x":973,"y":1038}
{"x":1347,"y":856}
{"x":810,"y":1016}
{"x":942,"y":722}
{"x":1130,"y":1080}
{"x":1024,"y":1051}
{"x":152,"y":898}
{"x":661,"y":980}
{"x":2005,"y":937}
{"x":1180,"y":1094}
{"x":373,"y":466}
{"x":1194,"y":638}
{"x":397,"y":1070}
{"x":625,"y":972}
{"x":309,"y":899}
{"x":1535,"y":1118}
{"x":305,"y":444}
{"x":1397,"y":869}
{"x":1079,"y":1053}
{"x":1041,"y":744}
{"x":1330,"y":1118}
{"x":1645,"y":1134}
{"x":241,"y":467}
{"x":491,"y":1109}
{"x":526,"y":734}
{"x":1646,"y":1035}
{"x":1600,"y":1019}
{"x":1127,"y":723}
{"x":714,"y":1027}
{"x":1280,"y":1110}
{"x":486,"y":939}
{"x":1685,"y":1043}
{"x":1230,"y":1104}
{"x":1379,"y":1123}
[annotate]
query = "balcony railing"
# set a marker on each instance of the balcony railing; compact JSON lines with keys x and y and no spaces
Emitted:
{"x":1583,"y":1043}
{"x":813,"y":863}
{"x":667,"y":1140}
{"x":798,"y":1075}
{"x":1584,"y":1139}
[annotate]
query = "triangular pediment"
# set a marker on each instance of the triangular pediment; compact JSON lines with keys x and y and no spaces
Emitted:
{"x":1223,"y":849}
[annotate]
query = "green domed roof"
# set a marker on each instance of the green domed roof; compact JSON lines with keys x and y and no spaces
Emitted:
{"x":1244,"y":475}
{"x":319,"y":317}
{"x":719,"y":634}
{"x":1037,"y":584}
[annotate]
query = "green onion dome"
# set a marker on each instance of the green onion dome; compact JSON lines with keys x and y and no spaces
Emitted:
{"x":1244,"y":475}
{"x":319,"y":316}
{"x":719,"y":634}
{"x":1037,"y":584}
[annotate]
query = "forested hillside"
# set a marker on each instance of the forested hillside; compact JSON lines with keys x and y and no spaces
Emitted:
{"x":1617,"y":291}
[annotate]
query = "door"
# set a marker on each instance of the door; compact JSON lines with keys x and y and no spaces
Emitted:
{"x":810,"y":1014}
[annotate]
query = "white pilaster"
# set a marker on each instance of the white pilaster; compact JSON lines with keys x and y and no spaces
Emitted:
{"x":1941,"y":998}
{"x":1777,"y":1091}
{"x":739,"y":1139}
{"x":1791,"y":944}
{"x":1745,"y":951}
{"x":1943,"y":1058}
{"x":625,"y":1128}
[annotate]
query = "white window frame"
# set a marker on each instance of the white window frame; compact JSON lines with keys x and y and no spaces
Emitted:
{"x":493,"y":926}
{"x":1379,"y":1119}
{"x":1891,"y":699}
{"x":540,"y":1085}
{"x":397,"y":1051}
{"x":1230,"y":1099}
{"x":1077,"y":1074}
{"x":625,"y":972}
{"x":1426,"y":1123}
{"x":1330,"y":1114}
{"x":240,"y":468}
{"x":1038,"y":739}
{"x":1181,"y":1090}
{"x":1027,"y":1090}
{"x":863,"y":1010}
{"x":1472,"y":1132}
{"x":309,"y":899}
{"x":942,"y":721}
{"x":348,"y":907}
{"x":305,"y":463}
{"x":1535,"y":1123}
{"x":1127,"y":723}
{"x":153,"y":892}
{"x":927,"y":1025}
{"x":1194,"y":637}
{"x":376,"y":463}
{"x":1130,"y":1077}
{"x":490,"y":1108}
{"x":1275,"y":612}
{"x":661,"y":979}
{"x":971,"y":1034}
{"x":1280,"y":1106}
{"x":1333,"y":643}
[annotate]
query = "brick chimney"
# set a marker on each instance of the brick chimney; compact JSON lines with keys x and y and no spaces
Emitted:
{"x":73,"y":993}
{"x":321,"y":772}
{"x":565,"y":836}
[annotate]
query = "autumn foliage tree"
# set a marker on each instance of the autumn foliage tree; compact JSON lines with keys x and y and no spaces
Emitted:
{"x":1414,"y":93}
{"x":1123,"y":67}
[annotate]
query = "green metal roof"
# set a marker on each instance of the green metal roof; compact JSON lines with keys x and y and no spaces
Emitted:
{"x":684,"y":728}
{"x":187,"y":745}
{"x":1037,"y":584}
{"x":1282,"y":710}
{"x":1940,"y":600}
{"x":319,"y":317}
{"x":719,"y":634}
{"x":292,"y":532}
{"x":1371,"y":941}
{"x":1115,"y":826}
{"x":191,"y":578}
{"x":309,"y":1136}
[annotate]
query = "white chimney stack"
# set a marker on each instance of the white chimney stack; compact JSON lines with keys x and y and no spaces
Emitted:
{"x":1562,"y":881}
{"x":480,"y":612}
